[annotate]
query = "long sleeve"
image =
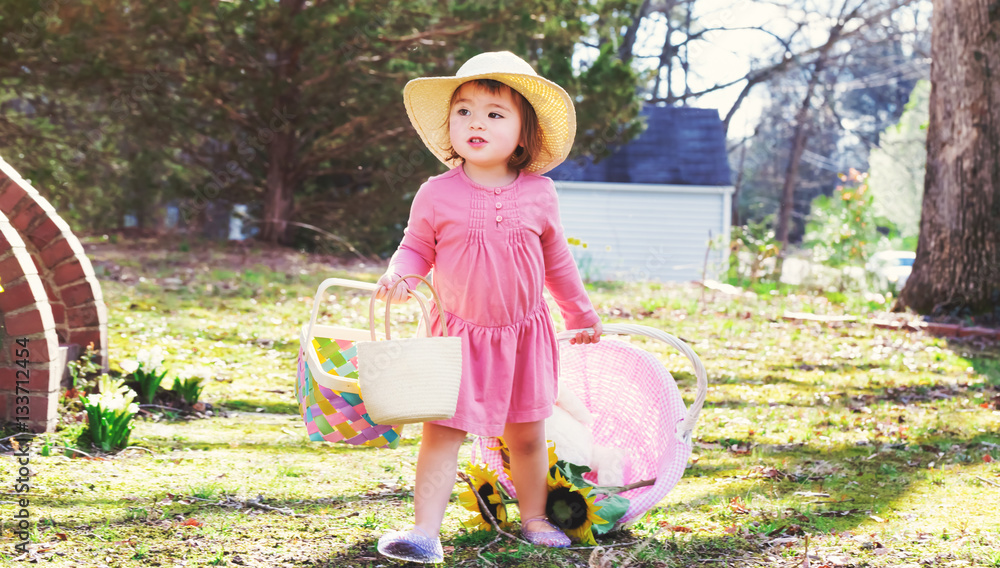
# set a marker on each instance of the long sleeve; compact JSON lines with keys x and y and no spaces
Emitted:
{"x":417,"y":250}
{"x":561,"y":275}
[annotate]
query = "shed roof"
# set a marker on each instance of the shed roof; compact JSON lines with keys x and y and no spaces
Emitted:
{"x":680,"y":146}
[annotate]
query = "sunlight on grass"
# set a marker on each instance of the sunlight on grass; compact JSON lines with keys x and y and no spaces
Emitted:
{"x":858,"y":436}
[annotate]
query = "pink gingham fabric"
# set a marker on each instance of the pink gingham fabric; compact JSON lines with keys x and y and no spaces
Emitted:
{"x":483,"y":453}
{"x":636,"y":406}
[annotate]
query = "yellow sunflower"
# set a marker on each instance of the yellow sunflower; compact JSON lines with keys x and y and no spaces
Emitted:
{"x":485,"y":481}
{"x":505,"y":454}
{"x":572,"y":508}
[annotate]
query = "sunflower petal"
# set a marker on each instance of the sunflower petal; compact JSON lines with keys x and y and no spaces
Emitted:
{"x":583,"y":534}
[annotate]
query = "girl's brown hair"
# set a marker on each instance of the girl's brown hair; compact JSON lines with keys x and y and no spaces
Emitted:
{"x":531,"y":133}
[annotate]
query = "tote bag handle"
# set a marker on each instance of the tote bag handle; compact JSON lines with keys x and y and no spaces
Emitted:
{"x":388,"y":304}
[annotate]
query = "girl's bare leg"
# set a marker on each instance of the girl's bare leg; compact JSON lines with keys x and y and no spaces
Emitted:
{"x":436,"y":467}
{"x":529,"y":463}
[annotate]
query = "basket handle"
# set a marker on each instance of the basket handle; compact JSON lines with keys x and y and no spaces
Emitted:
{"x":324,"y":285}
{"x":687,"y":426}
{"x":388,"y":304}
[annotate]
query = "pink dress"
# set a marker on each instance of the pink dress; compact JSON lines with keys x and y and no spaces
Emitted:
{"x":493,"y":250}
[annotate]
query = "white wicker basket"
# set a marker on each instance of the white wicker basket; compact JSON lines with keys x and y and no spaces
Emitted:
{"x":404,"y":381}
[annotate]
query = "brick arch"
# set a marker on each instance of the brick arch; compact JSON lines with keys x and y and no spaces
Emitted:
{"x":51,"y":299}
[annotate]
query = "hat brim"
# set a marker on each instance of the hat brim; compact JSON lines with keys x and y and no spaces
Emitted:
{"x":428,"y":99}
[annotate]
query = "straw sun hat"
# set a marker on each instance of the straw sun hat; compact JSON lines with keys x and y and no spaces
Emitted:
{"x":428,"y":101}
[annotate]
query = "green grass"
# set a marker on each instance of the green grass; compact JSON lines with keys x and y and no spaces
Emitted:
{"x":892,"y":427}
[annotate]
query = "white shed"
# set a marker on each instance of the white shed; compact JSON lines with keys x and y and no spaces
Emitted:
{"x":647,"y":211}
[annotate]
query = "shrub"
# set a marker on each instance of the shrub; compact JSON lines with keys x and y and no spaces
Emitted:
{"x":842,"y":229}
{"x":750,"y":252}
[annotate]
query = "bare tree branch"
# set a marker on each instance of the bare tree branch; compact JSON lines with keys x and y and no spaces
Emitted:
{"x":845,"y":28}
{"x":628,"y":43}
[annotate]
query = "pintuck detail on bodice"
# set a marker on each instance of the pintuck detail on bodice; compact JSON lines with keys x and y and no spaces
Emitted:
{"x":493,"y":250}
{"x":495,"y":209}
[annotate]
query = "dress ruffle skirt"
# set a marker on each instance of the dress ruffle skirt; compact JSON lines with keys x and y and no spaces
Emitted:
{"x":509,"y":372}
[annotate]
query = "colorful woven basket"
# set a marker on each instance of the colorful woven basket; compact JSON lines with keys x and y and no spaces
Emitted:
{"x":338,"y":416}
{"x":326,"y":388}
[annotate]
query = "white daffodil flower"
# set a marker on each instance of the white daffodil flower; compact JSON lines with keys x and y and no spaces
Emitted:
{"x":156,"y":358}
{"x":142,"y":357}
{"x":197,"y":371}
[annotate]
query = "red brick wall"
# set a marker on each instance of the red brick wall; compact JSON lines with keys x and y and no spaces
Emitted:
{"x":50,"y":297}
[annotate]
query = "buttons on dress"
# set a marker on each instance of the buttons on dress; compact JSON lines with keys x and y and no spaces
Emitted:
{"x":497,"y":191}
{"x":499,"y":218}
{"x":499,"y":205}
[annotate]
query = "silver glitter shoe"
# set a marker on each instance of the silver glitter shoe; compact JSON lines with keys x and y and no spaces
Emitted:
{"x":413,"y":545}
{"x":554,"y":538}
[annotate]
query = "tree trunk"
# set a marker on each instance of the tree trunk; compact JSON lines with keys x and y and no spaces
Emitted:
{"x":628,"y":42}
{"x":798,"y":147}
{"x":278,"y":200}
{"x":281,"y":156}
{"x":686,"y":62}
{"x":957,"y":269}
{"x":666,"y":60}
{"x":735,"y":200}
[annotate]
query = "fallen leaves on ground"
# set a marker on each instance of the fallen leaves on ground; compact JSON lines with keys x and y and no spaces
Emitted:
{"x":737,"y":506}
{"x":674,"y":528}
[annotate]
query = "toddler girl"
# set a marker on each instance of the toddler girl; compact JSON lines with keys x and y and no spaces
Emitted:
{"x":490,"y":230}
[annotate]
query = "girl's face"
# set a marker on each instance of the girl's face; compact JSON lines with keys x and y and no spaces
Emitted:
{"x":485,"y":128}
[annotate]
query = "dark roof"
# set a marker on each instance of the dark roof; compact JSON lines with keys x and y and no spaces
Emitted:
{"x":680,"y":146}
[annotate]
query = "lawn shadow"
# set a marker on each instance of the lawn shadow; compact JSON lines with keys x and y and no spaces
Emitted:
{"x":874,"y":393}
{"x":987,"y":363}
{"x":362,"y":554}
{"x":860,"y":481}
{"x":289,"y":407}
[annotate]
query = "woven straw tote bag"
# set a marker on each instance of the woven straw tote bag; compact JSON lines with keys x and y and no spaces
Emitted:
{"x":326,"y":385}
{"x":410,"y":380}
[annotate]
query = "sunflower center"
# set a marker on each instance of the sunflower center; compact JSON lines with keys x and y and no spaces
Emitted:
{"x":486,"y":491}
{"x":567,"y":509}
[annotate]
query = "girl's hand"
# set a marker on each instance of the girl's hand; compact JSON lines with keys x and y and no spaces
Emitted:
{"x":584,"y":337}
{"x":402,"y":293}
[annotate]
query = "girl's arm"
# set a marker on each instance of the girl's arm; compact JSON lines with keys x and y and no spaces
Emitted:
{"x":562,"y":277}
{"x":416,"y":251}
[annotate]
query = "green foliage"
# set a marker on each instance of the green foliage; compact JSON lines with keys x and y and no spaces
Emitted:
{"x":751,"y":247}
{"x":83,"y":367}
{"x":842,"y":229}
{"x":607,"y":79}
{"x":611,"y":508}
{"x":146,"y":369}
{"x":189,"y":389}
{"x":195,"y":101}
{"x":896,"y":166}
{"x":110,"y":413}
